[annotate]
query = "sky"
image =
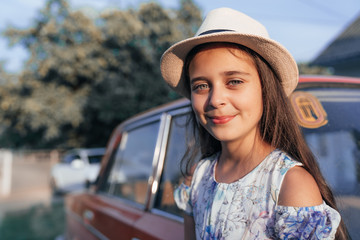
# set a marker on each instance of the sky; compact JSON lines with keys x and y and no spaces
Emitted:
{"x":304,"y":27}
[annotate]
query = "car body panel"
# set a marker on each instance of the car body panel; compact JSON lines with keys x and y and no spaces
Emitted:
{"x":113,"y":217}
{"x":151,"y":226}
{"x":108,"y":218}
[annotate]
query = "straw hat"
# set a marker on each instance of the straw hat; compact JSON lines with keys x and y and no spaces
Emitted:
{"x":228,"y":25}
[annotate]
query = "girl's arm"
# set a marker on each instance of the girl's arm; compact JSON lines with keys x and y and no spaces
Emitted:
{"x":299,"y":189}
{"x":189,"y":227}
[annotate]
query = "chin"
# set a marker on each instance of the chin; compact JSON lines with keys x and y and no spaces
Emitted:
{"x":222,"y":137}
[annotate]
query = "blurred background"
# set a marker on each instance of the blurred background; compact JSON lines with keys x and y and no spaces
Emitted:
{"x":70,"y":71}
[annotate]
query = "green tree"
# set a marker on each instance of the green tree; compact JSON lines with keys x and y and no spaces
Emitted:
{"x":54,"y":86}
{"x":9,"y":106}
{"x":84,"y":75}
{"x":305,"y":68}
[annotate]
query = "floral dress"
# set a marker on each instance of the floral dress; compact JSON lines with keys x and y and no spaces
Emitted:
{"x":247,"y":208}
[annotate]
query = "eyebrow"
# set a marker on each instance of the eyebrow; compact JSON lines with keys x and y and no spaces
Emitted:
{"x":230,"y":73}
{"x":197,"y":79}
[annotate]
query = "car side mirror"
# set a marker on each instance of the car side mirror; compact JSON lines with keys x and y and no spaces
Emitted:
{"x":77,"y":163}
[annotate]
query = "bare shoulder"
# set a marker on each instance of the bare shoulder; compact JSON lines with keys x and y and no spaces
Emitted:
{"x":299,"y":189}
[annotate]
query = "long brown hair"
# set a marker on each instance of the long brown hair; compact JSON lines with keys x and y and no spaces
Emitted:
{"x":278,"y":127}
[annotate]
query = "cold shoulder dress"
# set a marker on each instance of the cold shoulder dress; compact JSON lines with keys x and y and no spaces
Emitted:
{"x":248,"y":209}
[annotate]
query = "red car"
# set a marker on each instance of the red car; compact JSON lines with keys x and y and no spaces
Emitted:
{"x":133,"y":197}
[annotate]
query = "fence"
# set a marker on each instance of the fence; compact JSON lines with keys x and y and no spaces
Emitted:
{"x":25,"y":176}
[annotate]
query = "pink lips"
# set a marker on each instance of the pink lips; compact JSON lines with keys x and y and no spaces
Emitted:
{"x":221,"y":119}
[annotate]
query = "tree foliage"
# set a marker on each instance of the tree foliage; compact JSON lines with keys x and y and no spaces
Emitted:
{"x":307,"y":69}
{"x":86,"y":75}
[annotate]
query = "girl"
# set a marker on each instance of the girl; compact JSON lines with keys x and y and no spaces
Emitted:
{"x":257,"y":179}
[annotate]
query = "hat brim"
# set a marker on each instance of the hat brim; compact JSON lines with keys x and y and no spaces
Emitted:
{"x":281,"y":61}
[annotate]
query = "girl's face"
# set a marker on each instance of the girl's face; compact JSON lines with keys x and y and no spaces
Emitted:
{"x":226,"y":93}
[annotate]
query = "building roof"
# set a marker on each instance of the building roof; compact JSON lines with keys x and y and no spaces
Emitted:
{"x":346,"y":47}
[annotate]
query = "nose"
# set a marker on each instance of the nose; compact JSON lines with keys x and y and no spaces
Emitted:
{"x":217,"y":97}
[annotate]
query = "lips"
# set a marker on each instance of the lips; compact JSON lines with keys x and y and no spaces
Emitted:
{"x":221,"y":119}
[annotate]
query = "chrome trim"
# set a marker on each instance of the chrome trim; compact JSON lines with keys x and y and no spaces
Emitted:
{"x":180,"y":111}
{"x":153,"y":181}
{"x":123,"y":141}
{"x":88,"y":214}
{"x":167,"y":215}
{"x":119,"y":150}
{"x":156,"y":211}
{"x":141,"y":122}
{"x":155,"y":111}
{"x":158,"y":168}
{"x":128,"y":202}
{"x":91,"y":229}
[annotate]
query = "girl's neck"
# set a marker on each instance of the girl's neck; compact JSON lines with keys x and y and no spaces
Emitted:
{"x":238,"y":159}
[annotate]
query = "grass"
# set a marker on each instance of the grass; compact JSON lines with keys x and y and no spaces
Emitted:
{"x":40,"y":222}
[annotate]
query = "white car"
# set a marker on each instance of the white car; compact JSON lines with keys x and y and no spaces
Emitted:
{"x":77,"y":168}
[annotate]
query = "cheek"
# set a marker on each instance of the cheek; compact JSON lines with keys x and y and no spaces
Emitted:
{"x":251,"y":104}
{"x":255,"y":103}
{"x":198,"y":109}
{"x":256,"y":98}
{"x":259,"y":107}
{"x":197,"y":103}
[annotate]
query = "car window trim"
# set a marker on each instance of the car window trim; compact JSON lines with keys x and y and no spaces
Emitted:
{"x":128,"y":128}
{"x":165,"y":120}
{"x":168,"y":117}
{"x":159,"y":157}
{"x":155,"y":159}
{"x":142,"y":122}
{"x":126,"y":201}
{"x":167,"y":215}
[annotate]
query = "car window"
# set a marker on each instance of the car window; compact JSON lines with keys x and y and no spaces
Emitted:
{"x":133,"y":163}
{"x":337,"y":143}
{"x":94,"y":159}
{"x":70,"y":157}
{"x":172,"y":177}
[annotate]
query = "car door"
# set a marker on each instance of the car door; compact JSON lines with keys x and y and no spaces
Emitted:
{"x":163,"y":220}
{"x":125,"y":193}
